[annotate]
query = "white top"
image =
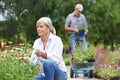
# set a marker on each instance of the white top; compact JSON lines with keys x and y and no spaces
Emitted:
{"x":54,"y":50}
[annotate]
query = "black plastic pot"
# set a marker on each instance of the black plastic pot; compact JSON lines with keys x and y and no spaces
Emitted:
{"x":91,"y":60}
{"x":115,"y":78}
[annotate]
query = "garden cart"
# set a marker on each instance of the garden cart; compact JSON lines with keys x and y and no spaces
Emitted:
{"x":82,"y":68}
{"x":78,"y":64}
{"x":83,"y":63}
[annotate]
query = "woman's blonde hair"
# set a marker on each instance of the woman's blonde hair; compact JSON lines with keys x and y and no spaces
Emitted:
{"x":48,"y":22}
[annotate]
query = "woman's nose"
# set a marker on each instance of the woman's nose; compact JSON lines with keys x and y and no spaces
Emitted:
{"x":38,"y":28}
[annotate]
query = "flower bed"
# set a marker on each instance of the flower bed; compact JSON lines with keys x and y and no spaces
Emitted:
{"x":11,"y":68}
{"x":107,"y":67}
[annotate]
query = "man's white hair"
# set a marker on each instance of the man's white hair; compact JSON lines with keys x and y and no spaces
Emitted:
{"x":48,"y":22}
{"x":79,"y":6}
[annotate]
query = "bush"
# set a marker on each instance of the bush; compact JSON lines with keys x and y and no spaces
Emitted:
{"x":83,"y":56}
{"x":107,"y":73}
{"x":13,"y":69}
{"x":107,"y":64}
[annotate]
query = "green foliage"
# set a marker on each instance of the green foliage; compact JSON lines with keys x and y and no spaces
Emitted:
{"x":80,"y":27}
{"x":6,"y":32}
{"x":66,"y":59}
{"x":102,"y":16}
{"x":83,"y":56}
{"x":107,"y":73}
{"x":109,"y":68}
{"x":112,"y":56}
{"x":13,"y":69}
{"x":104,"y":22}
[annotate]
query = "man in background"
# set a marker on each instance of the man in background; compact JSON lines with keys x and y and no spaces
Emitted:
{"x":76,"y":24}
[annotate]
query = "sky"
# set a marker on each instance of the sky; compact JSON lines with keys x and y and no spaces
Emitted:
{"x":1,"y":18}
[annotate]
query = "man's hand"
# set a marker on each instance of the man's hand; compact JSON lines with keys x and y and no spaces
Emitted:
{"x":71,"y":29}
{"x":75,"y":30}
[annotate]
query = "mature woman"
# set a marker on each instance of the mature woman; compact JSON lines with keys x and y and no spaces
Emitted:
{"x":48,"y":50}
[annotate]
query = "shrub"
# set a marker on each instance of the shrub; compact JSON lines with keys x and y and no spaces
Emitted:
{"x":13,"y":69}
{"x":107,"y":73}
{"x":83,"y":56}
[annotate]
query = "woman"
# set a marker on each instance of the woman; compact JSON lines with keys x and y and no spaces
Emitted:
{"x":48,"y":50}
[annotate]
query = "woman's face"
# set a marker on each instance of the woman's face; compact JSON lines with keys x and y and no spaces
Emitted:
{"x":42,"y":29}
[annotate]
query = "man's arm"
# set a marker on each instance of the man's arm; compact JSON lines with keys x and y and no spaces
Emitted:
{"x":71,"y":29}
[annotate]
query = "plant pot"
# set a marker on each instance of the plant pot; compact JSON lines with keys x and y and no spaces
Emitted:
{"x":115,"y":78}
{"x":91,"y":60}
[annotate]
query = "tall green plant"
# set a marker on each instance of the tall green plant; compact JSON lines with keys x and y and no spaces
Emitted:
{"x":104,"y":22}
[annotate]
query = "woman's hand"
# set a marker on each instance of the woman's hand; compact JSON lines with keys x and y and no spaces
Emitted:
{"x":39,"y":53}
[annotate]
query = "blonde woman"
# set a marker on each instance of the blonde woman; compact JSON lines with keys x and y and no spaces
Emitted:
{"x":48,"y":50}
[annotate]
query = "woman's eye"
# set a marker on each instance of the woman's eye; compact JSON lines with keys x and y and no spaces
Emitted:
{"x":39,"y":27}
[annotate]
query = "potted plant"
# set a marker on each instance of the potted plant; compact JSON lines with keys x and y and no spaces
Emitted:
{"x":82,"y":56}
{"x":81,"y":61}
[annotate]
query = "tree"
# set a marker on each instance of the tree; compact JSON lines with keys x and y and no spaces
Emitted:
{"x":104,"y":19}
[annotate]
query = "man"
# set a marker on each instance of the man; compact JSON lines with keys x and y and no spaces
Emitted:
{"x":76,"y":24}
